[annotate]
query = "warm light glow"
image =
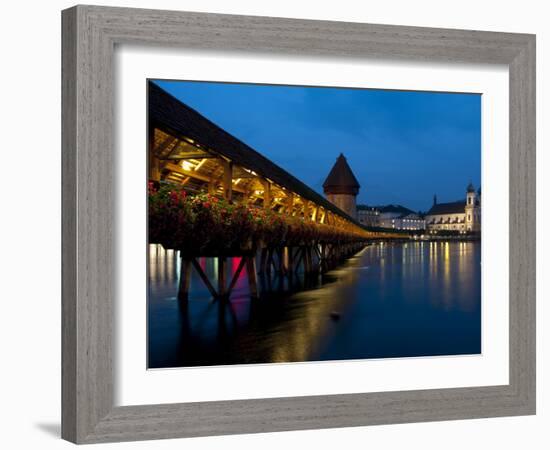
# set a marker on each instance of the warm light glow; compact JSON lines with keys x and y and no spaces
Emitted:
{"x":198,"y":166}
{"x":186,"y":165}
{"x":251,"y":172}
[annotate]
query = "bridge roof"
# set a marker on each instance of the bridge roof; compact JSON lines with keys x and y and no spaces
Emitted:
{"x":177,"y":119}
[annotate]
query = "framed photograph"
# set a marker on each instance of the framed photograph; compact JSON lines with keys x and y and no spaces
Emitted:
{"x":278,"y":224}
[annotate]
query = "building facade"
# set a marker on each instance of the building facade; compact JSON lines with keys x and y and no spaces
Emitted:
{"x":463,"y":216}
{"x":390,"y":216}
{"x":368,"y":215}
{"x":341,"y":187}
{"x":412,"y":222}
{"x":400,"y":218}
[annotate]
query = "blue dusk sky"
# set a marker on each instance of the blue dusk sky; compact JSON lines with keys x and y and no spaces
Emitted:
{"x":402,"y":146}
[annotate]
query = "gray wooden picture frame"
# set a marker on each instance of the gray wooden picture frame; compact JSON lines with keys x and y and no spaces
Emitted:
{"x":90,"y":34}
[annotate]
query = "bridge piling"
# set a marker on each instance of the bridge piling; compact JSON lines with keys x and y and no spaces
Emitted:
{"x":252,"y":276}
{"x":185,"y":279}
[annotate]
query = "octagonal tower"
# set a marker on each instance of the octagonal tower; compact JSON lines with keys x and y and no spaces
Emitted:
{"x":341,"y":187}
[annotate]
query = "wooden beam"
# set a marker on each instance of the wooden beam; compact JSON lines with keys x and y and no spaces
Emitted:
{"x":227,"y":179}
{"x":204,"y":278}
{"x":193,"y":174}
{"x":154,"y":168}
{"x":183,"y":147}
{"x":315,"y":212}
{"x":211,"y":187}
{"x":200,"y":164}
{"x":222,"y":274}
{"x":185,"y":279}
{"x":188,"y":173}
{"x":239,"y":172}
{"x":252,"y":276}
{"x":236,"y":275}
{"x":190,"y":155}
{"x":289,"y":202}
{"x":153,"y":162}
{"x":166,"y":142}
{"x":267,"y":193}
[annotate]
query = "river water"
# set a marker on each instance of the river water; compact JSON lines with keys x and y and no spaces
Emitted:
{"x":390,"y":300}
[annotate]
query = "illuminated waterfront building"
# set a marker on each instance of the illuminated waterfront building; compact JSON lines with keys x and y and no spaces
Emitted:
{"x":463,"y":215}
{"x":368,"y":215}
{"x":390,"y":216}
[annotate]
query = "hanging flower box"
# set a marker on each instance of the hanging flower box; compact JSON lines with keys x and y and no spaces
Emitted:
{"x":208,"y":226}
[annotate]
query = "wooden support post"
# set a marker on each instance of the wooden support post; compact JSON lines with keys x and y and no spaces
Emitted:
{"x":236,"y":275}
{"x":227,"y":180}
{"x":324,"y":257}
{"x":252,"y":276}
{"x":267,"y":193}
{"x":154,"y":168}
{"x":204,"y":278}
{"x":300,"y":258}
{"x":153,"y":162}
{"x":270,"y":261}
{"x":212,"y":188}
{"x":222,"y":274}
{"x":290,"y":203}
{"x":263,"y":260}
{"x":289,"y":260}
{"x":307,"y":260}
{"x":185,"y":279}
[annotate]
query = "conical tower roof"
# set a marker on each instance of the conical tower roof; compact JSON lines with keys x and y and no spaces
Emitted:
{"x":341,"y":179}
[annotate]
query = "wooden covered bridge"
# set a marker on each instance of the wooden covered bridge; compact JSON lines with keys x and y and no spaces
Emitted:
{"x":189,"y":152}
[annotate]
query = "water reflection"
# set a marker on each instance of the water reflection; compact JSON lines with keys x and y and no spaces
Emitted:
{"x":391,"y":300}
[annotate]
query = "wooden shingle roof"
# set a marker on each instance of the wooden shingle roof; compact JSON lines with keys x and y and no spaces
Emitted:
{"x":341,"y":179}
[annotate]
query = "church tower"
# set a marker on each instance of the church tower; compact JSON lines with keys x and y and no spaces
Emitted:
{"x":341,"y":187}
{"x":471,"y":209}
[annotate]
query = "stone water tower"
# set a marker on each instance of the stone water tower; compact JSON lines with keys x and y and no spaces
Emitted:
{"x":341,"y":187}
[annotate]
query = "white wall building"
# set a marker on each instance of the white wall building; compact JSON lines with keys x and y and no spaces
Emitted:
{"x":390,"y":216}
{"x":463,"y":215}
{"x":368,"y":215}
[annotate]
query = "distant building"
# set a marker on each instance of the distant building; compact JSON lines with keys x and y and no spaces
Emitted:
{"x":341,"y":187}
{"x":411,"y":222}
{"x":390,"y":216}
{"x":368,"y":215}
{"x":463,"y":215}
{"x":399,"y":217}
